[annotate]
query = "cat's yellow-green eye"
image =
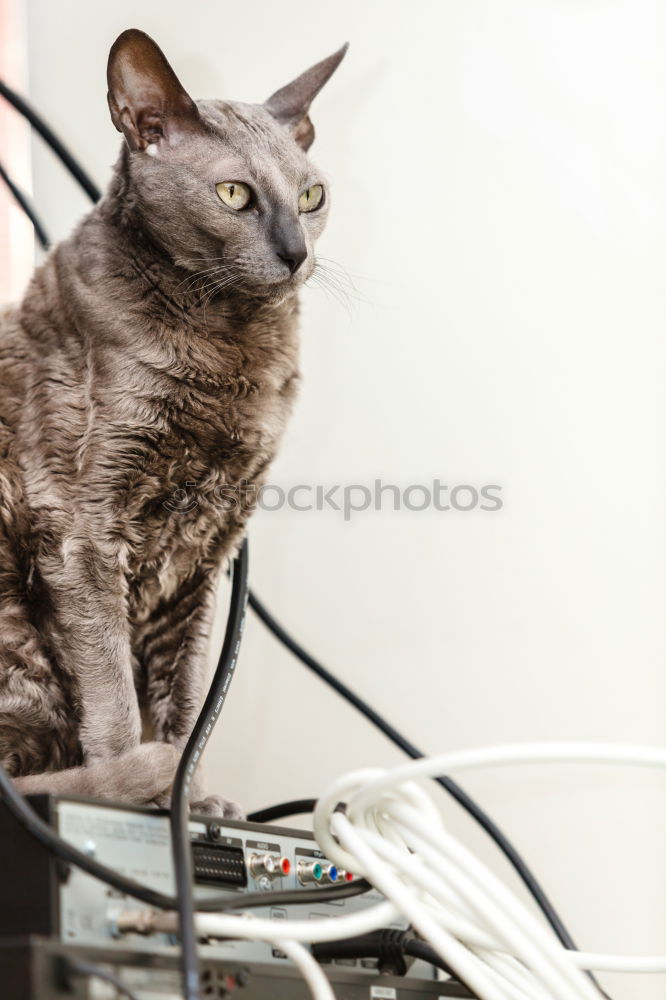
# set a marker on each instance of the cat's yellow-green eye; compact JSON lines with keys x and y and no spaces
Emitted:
{"x":311,"y":198}
{"x":235,"y":194}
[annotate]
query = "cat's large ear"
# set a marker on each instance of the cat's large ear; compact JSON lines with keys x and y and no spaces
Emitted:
{"x":290,"y":104}
{"x":146,"y":99}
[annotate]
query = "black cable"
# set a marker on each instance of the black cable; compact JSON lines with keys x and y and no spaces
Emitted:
{"x":27,"y":207}
{"x":294,"y":808}
{"x":76,"y":968}
{"x":389,"y":946}
{"x":426,"y":953}
{"x":287,"y":897}
{"x":180,"y":836}
{"x":468,"y":804}
{"x":52,"y":140}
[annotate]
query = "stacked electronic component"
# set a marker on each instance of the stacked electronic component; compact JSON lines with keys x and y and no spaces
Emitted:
{"x":50,"y":912}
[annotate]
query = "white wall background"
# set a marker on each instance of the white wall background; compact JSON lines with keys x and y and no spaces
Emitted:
{"x":499,"y":178}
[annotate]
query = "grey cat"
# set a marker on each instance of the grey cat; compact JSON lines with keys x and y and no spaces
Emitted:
{"x":155,"y":347}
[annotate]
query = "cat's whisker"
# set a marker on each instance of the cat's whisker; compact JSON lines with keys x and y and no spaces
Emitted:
{"x":342,"y":297}
{"x":331,"y":292}
{"x":180,"y":261}
{"x":334,"y":267}
{"x":340,"y":277}
{"x":215,"y":285}
{"x":189,"y":283}
{"x":330,"y":283}
{"x":338,"y":274}
{"x":342,"y":290}
{"x":216,"y":268}
{"x":199,"y":279}
{"x":352,"y":275}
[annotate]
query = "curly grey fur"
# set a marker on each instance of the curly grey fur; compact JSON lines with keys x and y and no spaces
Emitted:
{"x":156,"y":346}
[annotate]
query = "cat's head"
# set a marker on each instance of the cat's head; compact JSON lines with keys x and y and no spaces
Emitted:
{"x":218,"y":184}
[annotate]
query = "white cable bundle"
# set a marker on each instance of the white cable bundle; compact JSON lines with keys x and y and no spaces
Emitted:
{"x":392,"y":833}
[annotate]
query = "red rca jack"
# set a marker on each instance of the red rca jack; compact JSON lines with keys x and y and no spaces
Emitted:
{"x":268,"y":866}
{"x":344,"y":876}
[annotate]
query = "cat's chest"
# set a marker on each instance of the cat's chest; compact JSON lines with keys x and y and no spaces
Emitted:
{"x":201,"y":418}
{"x":206,"y":450}
{"x":174,"y":545}
{"x":154,"y":445}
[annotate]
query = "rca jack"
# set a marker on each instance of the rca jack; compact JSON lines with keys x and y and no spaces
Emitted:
{"x":268,"y":866}
{"x":309,"y":872}
{"x":329,"y":875}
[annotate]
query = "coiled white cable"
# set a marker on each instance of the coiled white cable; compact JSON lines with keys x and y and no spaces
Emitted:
{"x":392,"y":832}
{"x":372,"y":807}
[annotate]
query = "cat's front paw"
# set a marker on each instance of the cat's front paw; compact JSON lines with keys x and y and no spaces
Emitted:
{"x":211,"y":806}
{"x":215,"y":805}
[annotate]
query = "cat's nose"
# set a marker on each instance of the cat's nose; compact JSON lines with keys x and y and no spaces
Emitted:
{"x":293,"y":256}
{"x":288,"y":238}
